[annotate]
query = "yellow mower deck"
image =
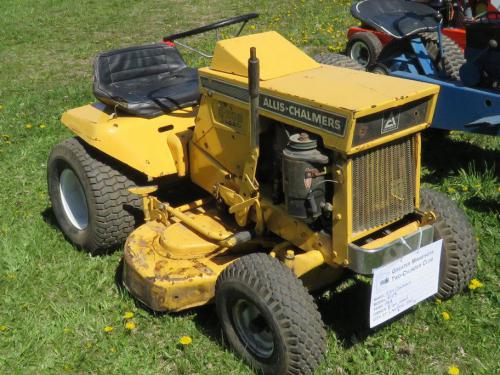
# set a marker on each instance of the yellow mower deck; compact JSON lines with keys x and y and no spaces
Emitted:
{"x":172,"y":267}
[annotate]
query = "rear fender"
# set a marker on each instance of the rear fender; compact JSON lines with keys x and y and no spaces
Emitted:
{"x":156,"y":147}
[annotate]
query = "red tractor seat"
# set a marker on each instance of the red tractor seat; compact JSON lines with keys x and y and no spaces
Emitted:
{"x":146,"y":81}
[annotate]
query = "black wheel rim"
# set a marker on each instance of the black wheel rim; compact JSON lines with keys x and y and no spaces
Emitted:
{"x":252,"y":328}
{"x":360,"y":53}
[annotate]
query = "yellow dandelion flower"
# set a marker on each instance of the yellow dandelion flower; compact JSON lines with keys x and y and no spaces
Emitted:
{"x":108,"y":329}
{"x":1,"y":107}
{"x":451,"y":190}
{"x":438,"y":301}
{"x":3,"y":328}
{"x":42,"y":126}
{"x":28,"y":126}
{"x":185,"y":340}
{"x":128,"y":315}
{"x":453,"y":370}
{"x":465,"y":188}
{"x":113,"y":350}
{"x":475,"y":283}
{"x":5,"y":138}
{"x":130,"y":326}
{"x":498,"y":188}
{"x":252,"y":27}
{"x":446,"y":315}
{"x":88,"y":344}
{"x":67,"y":330}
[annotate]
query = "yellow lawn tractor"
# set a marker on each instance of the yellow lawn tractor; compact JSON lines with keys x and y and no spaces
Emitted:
{"x":261,"y":178}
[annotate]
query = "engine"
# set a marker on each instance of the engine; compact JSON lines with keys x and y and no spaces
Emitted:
{"x":295,"y":171}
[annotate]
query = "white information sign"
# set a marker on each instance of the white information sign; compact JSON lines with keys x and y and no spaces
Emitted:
{"x":399,"y":285}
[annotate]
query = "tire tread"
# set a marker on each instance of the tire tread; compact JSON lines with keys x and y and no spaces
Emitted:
{"x":291,"y":303}
{"x":459,"y":242}
{"x":109,"y":189}
{"x":453,"y":56}
{"x":336,"y":59}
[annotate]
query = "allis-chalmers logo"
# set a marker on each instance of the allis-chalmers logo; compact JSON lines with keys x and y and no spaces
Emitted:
{"x":390,"y":122}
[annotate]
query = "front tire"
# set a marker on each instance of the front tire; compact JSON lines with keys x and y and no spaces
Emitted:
{"x":459,"y":256}
{"x":268,"y":316}
{"x":90,"y":198}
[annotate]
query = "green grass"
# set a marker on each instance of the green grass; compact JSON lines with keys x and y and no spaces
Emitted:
{"x":56,"y":300}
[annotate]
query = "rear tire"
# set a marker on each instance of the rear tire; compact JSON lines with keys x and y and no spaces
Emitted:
{"x":459,"y":256}
{"x":339,"y":60}
{"x":268,"y":316}
{"x":90,"y":198}
{"x":365,"y":48}
{"x":453,"y":56}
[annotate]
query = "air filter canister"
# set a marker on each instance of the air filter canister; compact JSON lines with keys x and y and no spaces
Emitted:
{"x":303,"y":176}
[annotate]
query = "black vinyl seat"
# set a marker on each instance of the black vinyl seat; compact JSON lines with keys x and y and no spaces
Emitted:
{"x":146,"y":81}
{"x":398,"y":18}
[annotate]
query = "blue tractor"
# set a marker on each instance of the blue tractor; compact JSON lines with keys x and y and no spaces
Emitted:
{"x":470,"y":83}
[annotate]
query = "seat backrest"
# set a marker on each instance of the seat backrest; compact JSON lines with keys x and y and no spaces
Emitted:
{"x":136,"y":62}
{"x":397,"y":18}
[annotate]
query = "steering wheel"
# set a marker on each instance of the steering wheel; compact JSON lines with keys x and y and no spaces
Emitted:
{"x":213,"y":26}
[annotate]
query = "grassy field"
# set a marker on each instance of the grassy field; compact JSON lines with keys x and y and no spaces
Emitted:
{"x":55,"y":301}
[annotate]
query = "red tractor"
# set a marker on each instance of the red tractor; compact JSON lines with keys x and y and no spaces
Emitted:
{"x":366,"y":43}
